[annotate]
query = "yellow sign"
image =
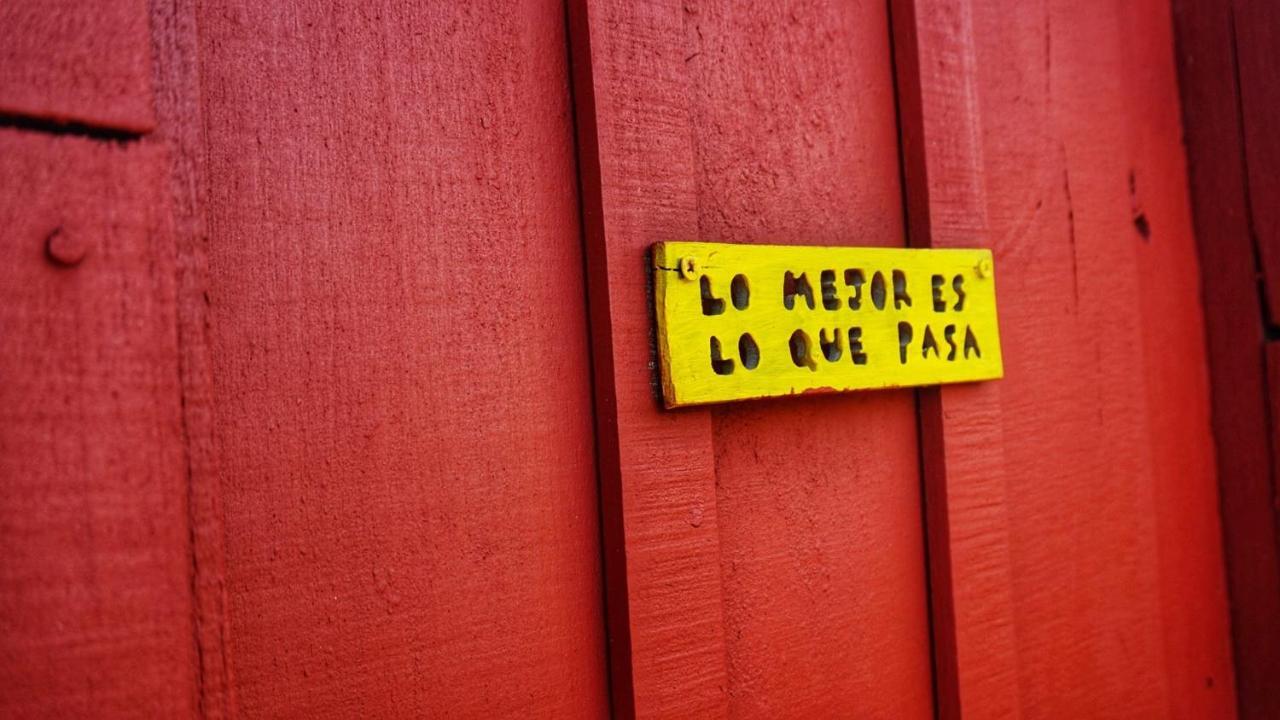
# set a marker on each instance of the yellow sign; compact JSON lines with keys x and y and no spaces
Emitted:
{"x":751,"y":321}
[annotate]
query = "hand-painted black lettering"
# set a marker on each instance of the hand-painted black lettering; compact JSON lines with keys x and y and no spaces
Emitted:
{"x":929,"y":342}
{"x":900,"y":296}
{"x":877,"y":290}
{"x":793,"y":285}
{"x":720,"y":364}
{"x":904,"y":340}
{"x":970,"y":343}
{"x":748,"y":351}
{"x":855,"y":279}
{"x":833,"y":347}
{"x":740,"y":292}
{"x":711,"y":305}
{"x":937,"y":281}
{"x":827,"y":281}
{"x":855,"y":346}
{"x":802,"y":350}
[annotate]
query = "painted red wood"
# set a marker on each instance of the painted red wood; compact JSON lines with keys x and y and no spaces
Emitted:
{"x":353,"y":472}
{"x":1235,"y":324}
{"x":68,"y":61}
{"x":1117,"y":592}
{"x":1195,"y":624}
{"x":1256,"y":45}
{"x":180,"y":130}
{"x":966,"y":497}
{"x":95,"y":611}
{"x":1267,"y":689}
{"x":398,"y":352}
{"x":657,"y":474}
{"x":821,"y":544}
{"x":787,"y":579}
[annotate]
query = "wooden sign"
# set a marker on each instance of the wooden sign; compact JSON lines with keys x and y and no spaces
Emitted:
{"x":750,"y":321}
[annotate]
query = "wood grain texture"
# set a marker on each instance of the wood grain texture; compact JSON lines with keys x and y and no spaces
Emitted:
{"x":180,"y":131}
{"x":822,"y":546}
{"x":1262,"y":697}
{"x":95,"y":609}
{"x":1194,"y":606}
{"x":822,"y":549}
{"x":1116,"y":587}
{"x":791,"y":571}
{"x":1255,"y":28}
{"x":657,"y":478}
{"x":836,"y":336}
{"x":962,"y":440}
{"x":67,"y":61}
{"x":1235,"y":318}
{"x":399,"y":356}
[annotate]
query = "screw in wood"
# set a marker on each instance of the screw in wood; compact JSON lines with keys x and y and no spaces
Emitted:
{"x":688,"y":267}
{"x":64,"y":248}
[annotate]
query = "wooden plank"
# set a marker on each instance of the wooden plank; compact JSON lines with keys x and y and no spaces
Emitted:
{"x":1192,"y":593}
{"x":657,"y":481}
{"x":1084,"y":536}
{"x":1193,"y":600}
{"x":1234,"y":320}
{"x":180,"y":131}
{"x":1119,"y":531}
{"x":970,"y":565}
{"x":1272,"y":354}
{"x":697,"y":122}
{"x":821,"y":543}
{"x":95,"y":602}
{"x":70,"y":62}
{"x":1255,"y":27}
{"x":400,"y":361}
{"x":731,"y":330}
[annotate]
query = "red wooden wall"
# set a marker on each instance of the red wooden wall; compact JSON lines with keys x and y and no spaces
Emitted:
{"x":397,"y":346}
{"x":327,"y":375}
{"x":798,"y":562}
{"x":1111,"y":505}
{"x":1226,"y":54}
{"x":373,"y":350}
{"x":95,"y":601}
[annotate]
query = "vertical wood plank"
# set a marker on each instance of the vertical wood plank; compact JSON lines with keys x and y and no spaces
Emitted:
{"x":1076,"y":495}
{"x":662,"y":562}
{"x":1254,"y":706}
{"x":180,"y":132}
{"x":818,"y":498}
{"x":976,"y":657}
{"x":747,"y":123}
{"x":1183,"y":494}
{"x":1255,"y":28}
{"x":1210,"y":68}
{"x":95,"y":601}
{"x":65,"y":61}
{"x":399,"y":358}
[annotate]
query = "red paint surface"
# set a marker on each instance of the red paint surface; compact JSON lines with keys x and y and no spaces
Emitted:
{"x":1117,"y":583}
{"x":1255,"y":43}
{"x":299,"y":406}
{"x":1216,"y":51}
{"x":796,"y":560}
{"x":962,"y":455}
{"x":821,"y":545}
{"x":656,"y":469}
{"x":68,"y":61}
{"x":398,"y":346}
{"x":95,"y":609}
